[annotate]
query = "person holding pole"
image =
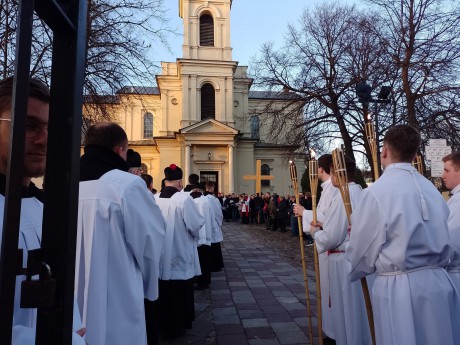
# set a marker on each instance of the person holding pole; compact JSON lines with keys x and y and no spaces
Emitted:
{"x":329,"y":192}
{"x":400,"y":232}
{"x":348,"y":309}
{"x":451,"y":178}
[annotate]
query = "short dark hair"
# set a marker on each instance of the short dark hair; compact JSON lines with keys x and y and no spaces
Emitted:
{"x":37,"y":90}
{"x":325,"y":162}
{"x":350,"y":167}
{"x":455,"y":158}
{"x":210,"y":186}
{"x":403,"y":141}
{"x":148,"y":179}
{"x":105,"y":134}
{"x":193,"y":179}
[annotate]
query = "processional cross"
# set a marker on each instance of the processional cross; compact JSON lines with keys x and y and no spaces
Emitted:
{"x":258,"y":177}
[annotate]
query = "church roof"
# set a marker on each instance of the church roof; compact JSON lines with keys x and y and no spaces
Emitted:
{"x":280,"y":95}
{"x":265,"y":145}
{"x":142,"y":142}
{"x":106,"y":99}
{"x":139,"y":90}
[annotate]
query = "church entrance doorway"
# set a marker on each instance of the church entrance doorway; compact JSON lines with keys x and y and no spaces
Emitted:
{"x":210,"y":176}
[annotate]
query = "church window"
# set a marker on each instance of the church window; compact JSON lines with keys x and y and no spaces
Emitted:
{"x":255,"y":127}
{"x":265,"y":170}
{"x":208,"y":102}
{"x":148,"y":125}
{"x":206,"y":30}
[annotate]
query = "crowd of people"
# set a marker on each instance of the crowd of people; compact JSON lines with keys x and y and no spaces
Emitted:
{"x":140,"y":254}
{"x":275,"y":212}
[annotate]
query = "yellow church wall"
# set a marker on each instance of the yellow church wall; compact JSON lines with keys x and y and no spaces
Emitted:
{"x":178,"y":109}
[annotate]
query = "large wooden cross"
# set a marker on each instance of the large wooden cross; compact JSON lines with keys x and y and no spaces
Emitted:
{"x":258,"y":177}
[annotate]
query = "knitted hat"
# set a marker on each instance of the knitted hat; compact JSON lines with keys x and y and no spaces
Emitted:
{"x":173,"y":172}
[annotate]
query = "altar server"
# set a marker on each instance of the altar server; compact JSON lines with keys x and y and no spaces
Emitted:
{"x":119,"y":241}
{"x":399,"y":231}
{"x":217,"y":236}
{"x":36,"y":140}
{"x":451,"y":177}
{"x":329,"y":192}
{"x":204,"y":238}
{"x":179,"y":260}
{"x":348,"y":309}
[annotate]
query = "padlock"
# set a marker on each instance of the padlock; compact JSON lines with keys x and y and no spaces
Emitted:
{"x":37,"y":293}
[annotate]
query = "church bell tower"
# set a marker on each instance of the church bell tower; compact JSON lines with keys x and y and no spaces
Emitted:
{"x":206,"y":29}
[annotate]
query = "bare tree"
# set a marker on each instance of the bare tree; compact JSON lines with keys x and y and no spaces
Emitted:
{"x":121,"y":37}
{"x":322,"y":61}
{"x":422,"y":39}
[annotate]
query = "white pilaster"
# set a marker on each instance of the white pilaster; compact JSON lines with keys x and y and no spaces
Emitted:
{"x":187,"y":161}
{"x":231,"y":180}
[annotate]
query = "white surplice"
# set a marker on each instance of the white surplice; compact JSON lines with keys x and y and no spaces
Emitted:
{"x":348,"y":309}
{"x":217,"y":218}
{"x":119,"y":243}
{"x":400,"y":232}
{"x":204,"y":208}
{"x":328,"y":193}
{"x":454,"y":230}
{"x":30,"y":234}
{"x":179,"y":260}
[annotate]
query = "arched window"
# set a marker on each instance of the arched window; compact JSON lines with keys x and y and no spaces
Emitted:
{"x":254,"y":127}
{"x":265,"y":170}
{"x":148,"y":125}
{"x":208,"y":102}
{"x":206,"y":30}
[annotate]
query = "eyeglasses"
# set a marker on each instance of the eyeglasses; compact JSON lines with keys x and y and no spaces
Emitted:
{"x":33,"y":128}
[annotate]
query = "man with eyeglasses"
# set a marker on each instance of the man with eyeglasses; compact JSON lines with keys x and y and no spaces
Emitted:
{"x":36,"y":138}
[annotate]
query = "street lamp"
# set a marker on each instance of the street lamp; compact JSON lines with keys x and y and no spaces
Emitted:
{"x":364,"y":93}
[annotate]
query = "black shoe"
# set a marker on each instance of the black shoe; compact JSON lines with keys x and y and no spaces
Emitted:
{"x":309,"y":244}
{"x":328,"y":341}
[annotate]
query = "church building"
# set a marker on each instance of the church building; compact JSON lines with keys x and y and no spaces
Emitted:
{"x":203,"y":115}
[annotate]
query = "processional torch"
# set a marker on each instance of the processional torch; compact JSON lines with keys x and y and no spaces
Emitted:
{"x":371,"y":139}
{"x":294,"y":181}
{"x":313,"y":172}
{"x":338,"y":160}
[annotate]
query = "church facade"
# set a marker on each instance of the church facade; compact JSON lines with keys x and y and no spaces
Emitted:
{"x":203,"y":115}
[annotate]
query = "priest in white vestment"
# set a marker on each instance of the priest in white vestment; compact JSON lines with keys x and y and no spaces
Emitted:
{"x":399,"y":231}
{"x":451,"y":177}
{"x":119,"y":242}
{"x":179,"y":259}
{"x":347,"y":306}
{"x":31,"y":218}
{"x":328,"y":193}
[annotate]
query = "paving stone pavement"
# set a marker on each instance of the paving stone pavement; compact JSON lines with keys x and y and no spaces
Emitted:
{"x":257,"y":299}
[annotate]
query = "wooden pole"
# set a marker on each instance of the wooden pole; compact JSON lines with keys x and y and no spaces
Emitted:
{"x":338,"y":159}
{"x":313,"y":174}
{"x":293,"y":171}
{"x":371,"y":139}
